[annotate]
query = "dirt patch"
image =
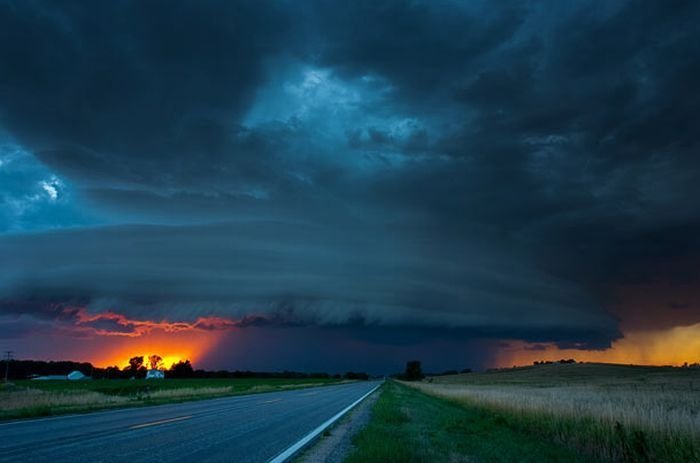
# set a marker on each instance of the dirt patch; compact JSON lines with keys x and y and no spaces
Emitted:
{"x":336,"y":442}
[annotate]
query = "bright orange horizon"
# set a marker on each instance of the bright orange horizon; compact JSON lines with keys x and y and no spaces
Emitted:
{"x":119,"y":338}
{"x":168,"y":359}
{"x":673,"y":346}
{"x":172,"y":347}
{"x":177,"y":341}
{"x":111,"y":338}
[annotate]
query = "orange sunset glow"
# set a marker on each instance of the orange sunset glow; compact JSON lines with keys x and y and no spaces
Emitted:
{"x":673,"y":346}
{"x":172,"y":347}
{"x":127,"y":337}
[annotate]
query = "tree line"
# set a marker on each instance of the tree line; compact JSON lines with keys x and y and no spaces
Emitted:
{"x":414,"y":372}
{"x":138,"y":367}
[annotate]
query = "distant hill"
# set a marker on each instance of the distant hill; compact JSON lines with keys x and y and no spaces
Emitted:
{"x":576,"y":373}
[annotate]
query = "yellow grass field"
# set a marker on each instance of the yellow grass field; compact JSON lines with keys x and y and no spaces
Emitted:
{"x":614,"y":412}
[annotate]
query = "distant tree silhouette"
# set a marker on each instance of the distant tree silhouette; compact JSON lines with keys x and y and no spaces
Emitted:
{"x":155,"y":362}
{"x":135,"y":363}
{"x":182,"y":369}
{"x":112,"y":372}
{"x":135,"y":366}
{"x":24,"y":369}
{"x":414,"y":372}
{"x":357,"y":375}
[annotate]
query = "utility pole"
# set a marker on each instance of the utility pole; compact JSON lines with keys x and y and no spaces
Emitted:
{"x":8,"y":357}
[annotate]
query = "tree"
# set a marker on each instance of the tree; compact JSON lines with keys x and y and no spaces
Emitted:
{"x":135,"y":363}
{"x":135,"y":368}
{"x":182,"y":369}
{"x":112,"y":372}
{"x":413,"y":371}
{"x":155,"y":362}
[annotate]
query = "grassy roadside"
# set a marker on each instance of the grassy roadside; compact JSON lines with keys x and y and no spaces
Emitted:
{"x":410,"y":426}
{"x":610,"y":437}
{"x":27,"y":399}
{"x":617,"y":413}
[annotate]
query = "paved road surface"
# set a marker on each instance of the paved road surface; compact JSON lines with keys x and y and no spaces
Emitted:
{"x":252,"y":428}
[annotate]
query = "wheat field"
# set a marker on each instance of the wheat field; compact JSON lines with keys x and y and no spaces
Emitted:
{"x":34,"y":401}
{"x":616,"y":413}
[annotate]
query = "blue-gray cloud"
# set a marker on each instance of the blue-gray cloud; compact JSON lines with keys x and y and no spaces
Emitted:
{"x":491,"y":169}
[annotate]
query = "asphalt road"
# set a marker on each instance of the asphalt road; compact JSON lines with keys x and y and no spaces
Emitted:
{"x":251,"y":428}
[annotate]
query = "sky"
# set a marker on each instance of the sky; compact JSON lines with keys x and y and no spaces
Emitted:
{"x":333,"y":186}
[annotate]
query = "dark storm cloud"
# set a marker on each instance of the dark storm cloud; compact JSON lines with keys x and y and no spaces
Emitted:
{"x":134,"y":92}
{"x":577,"y":138}
{"x":421,"y":47}
{"x":493,"y":169}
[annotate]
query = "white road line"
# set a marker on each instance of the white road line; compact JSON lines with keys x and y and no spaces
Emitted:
{"x":156,"y":423}
{"x":271,"y":401}
{"x":284,"y":456}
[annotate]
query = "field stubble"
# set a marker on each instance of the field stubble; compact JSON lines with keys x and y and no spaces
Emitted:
{"x":33,"y":398}
{"x":616,"y":413}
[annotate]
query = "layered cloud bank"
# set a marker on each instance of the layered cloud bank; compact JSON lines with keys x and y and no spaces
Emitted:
{"x":378,"y":174}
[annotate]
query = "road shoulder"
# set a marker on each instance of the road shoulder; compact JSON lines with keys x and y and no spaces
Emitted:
{"x":337,"y":442}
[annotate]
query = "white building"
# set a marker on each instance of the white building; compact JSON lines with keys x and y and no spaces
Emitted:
{"x":76,"y":376}
{"x":155,"y":374}
{"x":72,"y":376}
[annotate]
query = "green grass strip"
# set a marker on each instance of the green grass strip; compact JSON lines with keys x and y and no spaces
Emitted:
{"x":409,"y":426}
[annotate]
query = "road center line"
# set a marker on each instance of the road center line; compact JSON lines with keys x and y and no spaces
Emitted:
{"x":156,"y":423}
{"x":271,"y":401}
